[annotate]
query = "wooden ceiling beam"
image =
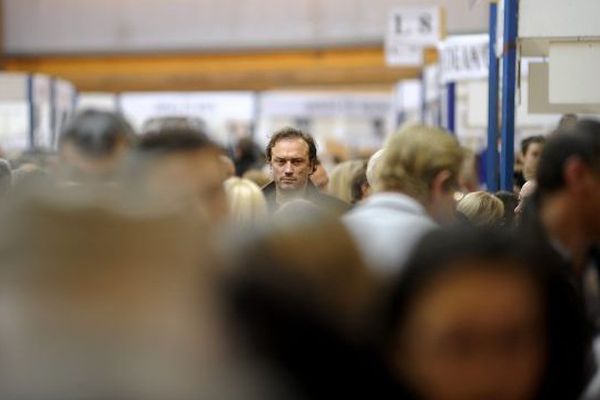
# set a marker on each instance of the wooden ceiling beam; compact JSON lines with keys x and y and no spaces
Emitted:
{"x":226,"y":71}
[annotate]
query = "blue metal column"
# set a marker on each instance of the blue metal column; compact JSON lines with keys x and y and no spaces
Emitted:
{"x":451,"y":106}
{"x":32,"y":116}
{"x":509,"y":64}
{"x":491,"y":165}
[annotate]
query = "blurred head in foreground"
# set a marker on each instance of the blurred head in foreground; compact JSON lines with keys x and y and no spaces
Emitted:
{"x":472,"y":318}
{"x":99,"y":304}
{"x":5,"y":177}
{"x":180,"y":170}
{"x":92,"y":147}
{"x":301,"y":303}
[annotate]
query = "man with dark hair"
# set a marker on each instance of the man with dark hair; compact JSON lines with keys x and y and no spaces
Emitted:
{"x":568,"y":190}
{"x":180,"y":170}
{"x":292,"y":155}
{"x":92,"y":146}
{"x":531,"y":149}
{"x":563,"y":212}
{"x":561,"y":218}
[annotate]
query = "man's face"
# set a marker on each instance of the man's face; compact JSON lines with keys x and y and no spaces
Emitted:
{"x":290,"y":164}
{"x":531,"y":159}
{"x":76,"y":166}
{"x":591,"y":205}
{"x":442,"y":201}
{"x":527,"y":190}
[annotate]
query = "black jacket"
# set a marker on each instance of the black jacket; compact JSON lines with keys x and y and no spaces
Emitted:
{"x":328,"y":203}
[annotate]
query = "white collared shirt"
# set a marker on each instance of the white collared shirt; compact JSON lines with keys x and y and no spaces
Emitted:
{"x":386,"y":228}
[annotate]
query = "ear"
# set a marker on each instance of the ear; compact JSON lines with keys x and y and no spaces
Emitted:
{"x":575,"y":173}
{"x":441,"y":183}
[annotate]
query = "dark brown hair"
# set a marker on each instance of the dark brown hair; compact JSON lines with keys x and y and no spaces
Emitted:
{"x":292,"y":133}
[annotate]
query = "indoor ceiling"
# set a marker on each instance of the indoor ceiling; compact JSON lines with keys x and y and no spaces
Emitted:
{"x":126,"y":26}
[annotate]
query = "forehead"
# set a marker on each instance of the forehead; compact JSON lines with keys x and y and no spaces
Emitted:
{"x":472,"y":294}
{"x":535,"y":146}
{"x":290,"y":147}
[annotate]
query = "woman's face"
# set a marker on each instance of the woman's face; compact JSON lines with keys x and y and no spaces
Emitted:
{"x":474,"y":334}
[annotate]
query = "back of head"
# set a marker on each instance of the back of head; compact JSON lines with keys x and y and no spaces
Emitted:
{"x":414,"y":156}
{"x":167,"y":141}
{"x":340,"y":181}
{"x":247,"y":204}
{"x":160,"y":124}
{"x":482,"y":209}
{"x":178,"y":170}
{"x":582,"y":143}
{"x":97,"y":134}
{"x":92,"y":147}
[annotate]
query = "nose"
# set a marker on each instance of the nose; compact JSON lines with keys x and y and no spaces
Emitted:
{"x":288,"y":170}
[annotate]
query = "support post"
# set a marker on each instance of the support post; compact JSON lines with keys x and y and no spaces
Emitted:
{"x":492,"y":132}
{"x":451,"y":106}
{"x":509,"y":66}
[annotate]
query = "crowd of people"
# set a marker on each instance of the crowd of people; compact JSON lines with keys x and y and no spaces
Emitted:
{"x":158,"y":265}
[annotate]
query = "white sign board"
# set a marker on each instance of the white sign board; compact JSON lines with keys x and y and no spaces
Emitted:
{"x":324,"y":105}
{"x":464,"y":57}
{"x":217,"y":109}
{"x":409,"y":30}
{"x":401,"y":54}
{"x":42,"y":110}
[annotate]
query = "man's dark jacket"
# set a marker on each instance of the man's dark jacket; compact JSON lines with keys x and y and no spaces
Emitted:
{"x":328,"y":203}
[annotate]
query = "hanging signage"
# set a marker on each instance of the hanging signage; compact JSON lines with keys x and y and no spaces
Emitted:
{"x":409,"y":30}
{"x":42,"y":111}
{"x":464,"y":57}
{"x":400,"y":54}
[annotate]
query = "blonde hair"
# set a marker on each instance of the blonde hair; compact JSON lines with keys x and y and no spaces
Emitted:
{"x":257,"y":176}
{"x":481,"y":208}
{"x":414,"y":156}
{"x":246,"y":202}
{"x":340,"y":181}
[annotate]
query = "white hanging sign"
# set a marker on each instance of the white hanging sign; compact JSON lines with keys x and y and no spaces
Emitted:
{"x":464,"y":57}
{"x":401,"y":54}
{"x":409,"y":30}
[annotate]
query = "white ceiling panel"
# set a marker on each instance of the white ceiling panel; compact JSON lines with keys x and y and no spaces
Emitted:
{"x":75,"y":26}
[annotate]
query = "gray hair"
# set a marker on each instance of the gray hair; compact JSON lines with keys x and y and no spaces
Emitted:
{"x":373,"y":167}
